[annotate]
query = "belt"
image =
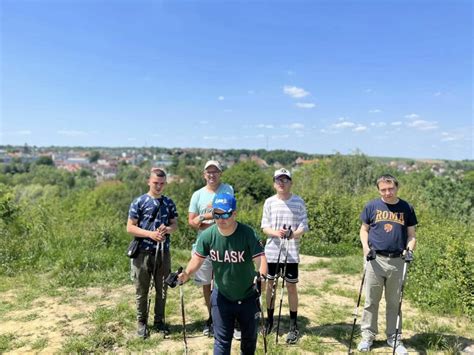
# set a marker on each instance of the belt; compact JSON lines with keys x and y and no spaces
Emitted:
{"x":389,"y":254}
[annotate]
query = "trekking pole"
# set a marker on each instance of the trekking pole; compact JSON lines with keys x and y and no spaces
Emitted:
{"x":172,"y":281}
{"x":183,"y":315}
{"x":370,"y":256}
{"x":260,"y":308}
{"x":277,"y":275}
{"x":163,"y":290}
{"x":408,"y":258}
{"x":152,"y":282}
{"x":287,"y":244}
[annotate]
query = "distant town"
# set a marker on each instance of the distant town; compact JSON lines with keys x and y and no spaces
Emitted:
{"x":104,"y":161}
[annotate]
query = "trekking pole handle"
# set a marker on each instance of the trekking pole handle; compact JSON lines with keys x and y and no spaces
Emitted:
{"x":408,"y":256}
{"x":371,"y":255}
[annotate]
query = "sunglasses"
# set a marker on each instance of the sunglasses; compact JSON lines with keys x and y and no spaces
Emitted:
{"x":224,"y":215}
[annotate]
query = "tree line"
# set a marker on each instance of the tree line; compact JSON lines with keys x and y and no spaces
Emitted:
{"x":70,"y":227}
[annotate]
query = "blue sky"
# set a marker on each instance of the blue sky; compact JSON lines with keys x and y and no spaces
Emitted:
{"x":390,"y":78}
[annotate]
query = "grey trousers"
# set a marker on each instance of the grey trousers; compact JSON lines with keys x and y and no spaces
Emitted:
{"x":382,"y":273}
{"x":141,"y":270}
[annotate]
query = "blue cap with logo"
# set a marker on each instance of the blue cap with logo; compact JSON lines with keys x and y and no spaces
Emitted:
{"x":224,"y":202}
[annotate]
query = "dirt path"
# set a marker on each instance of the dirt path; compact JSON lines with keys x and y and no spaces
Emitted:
{"x":326,"y":306}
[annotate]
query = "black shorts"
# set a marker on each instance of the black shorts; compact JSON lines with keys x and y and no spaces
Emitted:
{"x":291,"y":272}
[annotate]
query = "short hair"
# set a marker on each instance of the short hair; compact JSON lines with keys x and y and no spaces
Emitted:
{"x":387,"y":178}
{"x":158,"y":172}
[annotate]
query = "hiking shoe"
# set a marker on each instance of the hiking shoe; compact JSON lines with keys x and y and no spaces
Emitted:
{"x":161,"y":327}
{"x":237,"y":334}
{"x":400,"y":349}
{"x":364,"y":345}
{"x":141,"y":330}
{"x":293,"y":335}
{"x":208,"y":329}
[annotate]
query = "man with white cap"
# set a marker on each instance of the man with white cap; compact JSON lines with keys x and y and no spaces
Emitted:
{"x":280,"y":212}
{"x":200,"y":217}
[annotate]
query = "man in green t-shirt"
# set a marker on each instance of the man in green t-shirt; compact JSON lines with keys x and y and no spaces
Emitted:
{"x":233,"y":248}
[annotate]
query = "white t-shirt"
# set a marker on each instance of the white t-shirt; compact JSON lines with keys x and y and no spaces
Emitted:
{"x":278,"y":213}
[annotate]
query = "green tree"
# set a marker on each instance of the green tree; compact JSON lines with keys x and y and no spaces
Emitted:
{"x":248,"y":179}
{"x":94,"y":156}
{"x":45,"y":160}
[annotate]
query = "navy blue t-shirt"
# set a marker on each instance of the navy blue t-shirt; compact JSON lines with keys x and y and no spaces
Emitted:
{"x":151,"y":213}
{"x":388,"y":224}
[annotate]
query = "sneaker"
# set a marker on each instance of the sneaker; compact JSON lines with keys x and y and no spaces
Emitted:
{"x":161,"y":327}
{"x":364,"y":345}
{"x":208,"y":329}
{"x":400,"y":349}
{"x":142,"y":331}
{"x":293,"y":335}
{"x":237,"y":334}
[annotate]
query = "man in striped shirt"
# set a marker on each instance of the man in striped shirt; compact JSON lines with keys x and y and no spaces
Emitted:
{"x":280,"y":212}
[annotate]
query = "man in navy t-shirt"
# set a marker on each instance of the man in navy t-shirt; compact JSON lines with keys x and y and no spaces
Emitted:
{"x":152,"y":217}
{"x":388,"y":227}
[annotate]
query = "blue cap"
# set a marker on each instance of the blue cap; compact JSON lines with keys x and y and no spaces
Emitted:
{"x":224,"y":202}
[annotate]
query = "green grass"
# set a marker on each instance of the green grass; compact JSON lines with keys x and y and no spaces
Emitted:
{"x":6,"y":342}
{"x":9,"y":341}
{"x":310,"y":291}
{"x":321,"y":264}
{"x":39,"y":344}
{"x":110,"y":326}
{"x":327,"y":284}
{"x":330,"y":313}
{"x":351,"y":265}
{"x":345,"y":293}
{"x":6,"y":307}
{"x":28,"y":317}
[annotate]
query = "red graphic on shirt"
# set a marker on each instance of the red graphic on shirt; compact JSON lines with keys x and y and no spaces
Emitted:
{"x":387,"y":227}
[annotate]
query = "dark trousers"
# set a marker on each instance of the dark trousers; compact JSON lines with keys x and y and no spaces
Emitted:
{"x":224,"y":313}
{"x":142,"y":270}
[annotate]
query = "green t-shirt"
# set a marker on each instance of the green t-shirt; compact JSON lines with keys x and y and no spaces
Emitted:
{"x":232,"y":259}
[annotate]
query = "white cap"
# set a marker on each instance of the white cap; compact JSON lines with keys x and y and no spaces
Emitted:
{"x":282,"y":172}
{"x":214,"y":163}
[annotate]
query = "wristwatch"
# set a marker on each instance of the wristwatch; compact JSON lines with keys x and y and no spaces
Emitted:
{"x":201,"y":218}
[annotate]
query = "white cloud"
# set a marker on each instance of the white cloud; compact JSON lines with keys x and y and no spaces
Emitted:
{"x":290,"y":72}
{"x":251,"y":92}
{"x":375,"y":110}
{"x":396,"y":123}
{"x":281,"y":136}
{"x":451,"y":137}
{"x":368,"y":90}
{"x":423,"y":125}
{"x":257,"y":136}
{"x":378,"y":124}
{"x":131,"y":139}
{"x":263,"y":125}
{"x":296,"y":126}
{"x":220,"y":98}
{"x":203,"y":122}
{"x":438,"y":93}
{"x":343,"y":124}
{"x":220,"y":138}
{"x":71,"y":133}
{"x":305,"y":105}
{"x":227,"y":110}
{"x":412,"y":116}
{"x":24,"y":132}
{"x":360,"y":128}
{"x":295,"y":92}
